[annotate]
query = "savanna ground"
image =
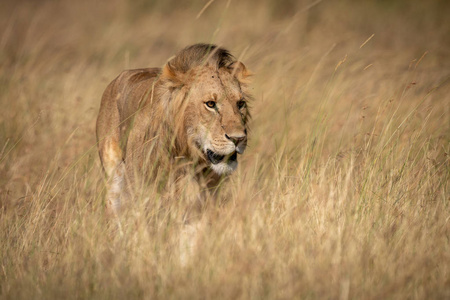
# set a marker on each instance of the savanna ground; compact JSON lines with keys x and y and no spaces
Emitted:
{"x":343,"y":192}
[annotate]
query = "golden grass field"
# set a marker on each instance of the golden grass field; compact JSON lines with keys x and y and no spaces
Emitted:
{"x":343,"y":192}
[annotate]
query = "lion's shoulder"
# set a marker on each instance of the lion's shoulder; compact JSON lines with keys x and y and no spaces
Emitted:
{"x":131,"y":86}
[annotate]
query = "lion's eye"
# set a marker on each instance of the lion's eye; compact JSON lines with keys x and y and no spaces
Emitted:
{"x":241,"y":104}
{"x":211,"y":104}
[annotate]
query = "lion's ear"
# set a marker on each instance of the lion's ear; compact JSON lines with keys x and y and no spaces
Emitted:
{"x":238,"y":70}
{"x":172,"y":77}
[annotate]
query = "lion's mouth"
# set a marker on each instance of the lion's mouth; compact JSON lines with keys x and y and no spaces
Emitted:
{"x":215,"y":158}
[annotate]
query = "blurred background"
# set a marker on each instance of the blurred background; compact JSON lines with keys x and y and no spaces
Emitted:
{"x":342,"y":88}
{"x":58,"y":56}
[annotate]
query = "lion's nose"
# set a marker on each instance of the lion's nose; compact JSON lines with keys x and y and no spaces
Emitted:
{"x":236,"y":139}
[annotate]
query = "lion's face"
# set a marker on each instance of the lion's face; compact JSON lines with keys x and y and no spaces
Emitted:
{"x":216,"y":116}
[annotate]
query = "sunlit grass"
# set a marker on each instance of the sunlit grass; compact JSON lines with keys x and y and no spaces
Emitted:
{"x":342,"y":193}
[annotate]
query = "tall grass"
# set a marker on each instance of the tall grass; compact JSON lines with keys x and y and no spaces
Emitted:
{"x":342,"y":193}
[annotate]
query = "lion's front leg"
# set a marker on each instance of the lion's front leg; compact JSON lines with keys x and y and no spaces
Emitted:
{"x":115,"y":189}
{"x":189,"y":241}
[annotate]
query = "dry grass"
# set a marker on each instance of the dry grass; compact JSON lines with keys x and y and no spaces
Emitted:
{"x":343,"y":192}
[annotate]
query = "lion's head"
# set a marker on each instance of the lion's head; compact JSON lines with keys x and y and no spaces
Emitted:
{"x":206,"y":95}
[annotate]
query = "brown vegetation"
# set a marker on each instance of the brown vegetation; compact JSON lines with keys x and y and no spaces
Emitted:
{"x":342,"y":193}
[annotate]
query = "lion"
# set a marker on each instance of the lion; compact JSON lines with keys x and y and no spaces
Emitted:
{"x":188,"y":118}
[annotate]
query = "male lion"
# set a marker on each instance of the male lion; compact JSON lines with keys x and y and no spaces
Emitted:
{"x":188,"y":118}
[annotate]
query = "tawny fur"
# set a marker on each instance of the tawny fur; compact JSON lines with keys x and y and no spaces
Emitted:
{"x":154,"y":120}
